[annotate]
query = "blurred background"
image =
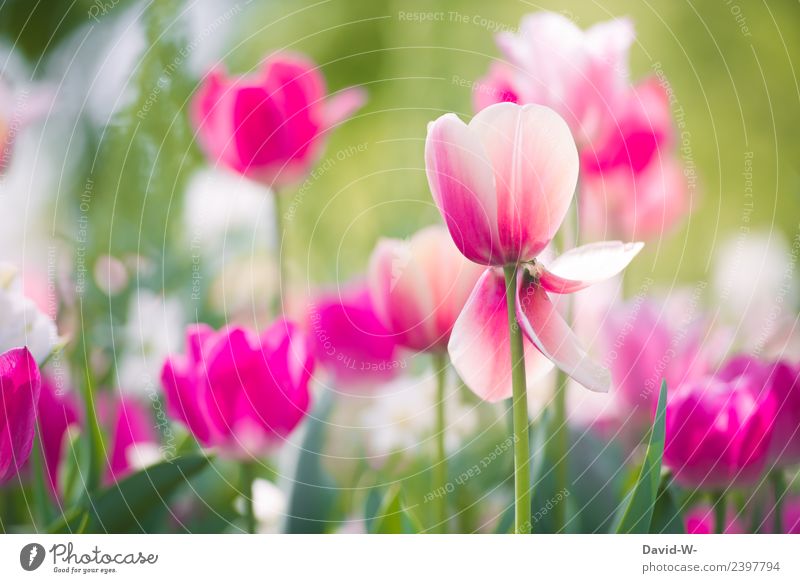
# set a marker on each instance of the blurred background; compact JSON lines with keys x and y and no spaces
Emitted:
{"x":107,"y":199}
{"x":732,"y":67}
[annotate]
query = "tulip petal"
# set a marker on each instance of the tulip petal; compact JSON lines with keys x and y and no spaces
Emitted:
{"x":342,"y":105}
{"x":480,"y":347}
{"x":544,"y":326}
{"x":535,"y":163}
{"x":586,"y":265}
{"x":20,"y":385}
{"x":461,"y":181}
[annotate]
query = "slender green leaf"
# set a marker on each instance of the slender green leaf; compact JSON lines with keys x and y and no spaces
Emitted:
{"x":667,"y":518}
{"x":637,"y":511}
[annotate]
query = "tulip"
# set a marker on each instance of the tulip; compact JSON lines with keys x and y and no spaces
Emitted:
{"x":239,"y":392}
{"x":20,"y":385}
{"x":782,"y":381}
{"x":503,"y":185}
{"x":58,"y":411}
{"x":643,"y":345}
{"x":631,"y":183}
{"x":582,"y":75}
{"x":134,"y":439}
{"x":719,"y":428}
{"x":22,"y":323}
{"x":700,"y":520}
{"x":349,"y":340}
{"x":269,"y":126}
{"x":420,"y":287}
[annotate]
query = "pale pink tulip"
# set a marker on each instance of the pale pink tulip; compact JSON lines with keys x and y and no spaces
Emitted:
{"x":420,"y":286}
{"x":582,"y":75}
{"x":632,"y":185}
{"x":270,"y":126}
{"x":503,"y":184}
{"x":20,"y":385}
{"x":239,"y":392}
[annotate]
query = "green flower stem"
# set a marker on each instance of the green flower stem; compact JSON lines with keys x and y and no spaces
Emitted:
{"x":522,"y":477}
{"x":41,"y":503}
{"x":720,"y":510}
{"x":96,"y":447}
{"x":778,"y":481}
{"x":560,"y":443}
{"x":248,"y":476}
{"x":440,"y":465}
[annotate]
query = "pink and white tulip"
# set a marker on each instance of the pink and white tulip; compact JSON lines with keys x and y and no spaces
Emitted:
{"x":269,"y":126}
{"x":582,"y":75}
{"x":134,"y":439}
{"x":237,"y":391}
{"x":503,"y":184}
{"x":632,"y":185}
{"x":420,"y":286}
{"x":20,"y":385}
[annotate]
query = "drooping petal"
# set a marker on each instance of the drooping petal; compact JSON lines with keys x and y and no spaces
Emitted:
{"x":480,"y":348}
{"x":535,"y":164}
{"x":462,"y":183}
{"x":586,"y":265}
{"x":544,"y":326}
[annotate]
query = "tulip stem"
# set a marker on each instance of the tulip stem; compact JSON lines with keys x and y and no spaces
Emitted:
{"x":718,"y":499}
{"x":41,"y":501}
{"x":522,"y":477}
{"x":779,"y":491}
{"x":440,"y":465}
{"x":97,"y":451}
{"x":561,"y":447}
{"x":248,"y":477}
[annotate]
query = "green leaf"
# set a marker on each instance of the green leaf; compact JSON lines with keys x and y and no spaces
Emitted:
{"x":389,"y":518}
{"x":667,"y":518}
{"x":638,"y":506}
{"x":313,"y":495}
{"x":129,"y":505}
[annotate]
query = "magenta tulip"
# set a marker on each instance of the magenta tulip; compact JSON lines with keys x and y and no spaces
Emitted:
{"x":582,"y":75}
{"x":420,"y":287}
{"x":349,"y":340}
{"x":269,"y":126}
{"x":58,"y":411}
{"x":719,"y":429}
{"x":643,"y":345}
{"x":133,"y":435}
{"x":631,"y":183}
{"x":20,"y":385}
{"x":785,"y":386}
{"x":700,"y":520}
{"x":503,"y":184}
{"x":237,"y":391}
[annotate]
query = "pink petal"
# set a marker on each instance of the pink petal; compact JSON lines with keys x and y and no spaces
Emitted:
{"x":462,"y":184}
{"x":548,"y":331}
{"x":20,"y":385}
{"x":586,"y":265}
{"x":343,"y":104}
{"x":535,"y":163}
{"x":480,"y":347}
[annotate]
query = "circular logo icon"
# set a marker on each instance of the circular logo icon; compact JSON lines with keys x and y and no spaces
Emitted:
{"x":31,"y":556}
